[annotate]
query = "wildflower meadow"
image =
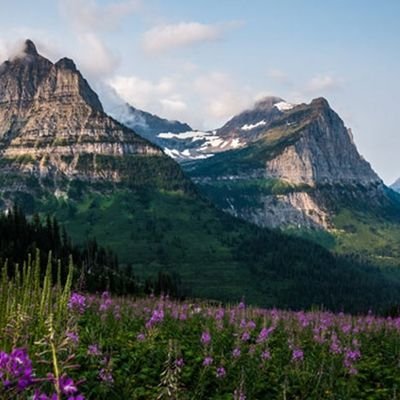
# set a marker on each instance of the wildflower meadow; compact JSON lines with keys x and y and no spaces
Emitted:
{"x":57,"y":343}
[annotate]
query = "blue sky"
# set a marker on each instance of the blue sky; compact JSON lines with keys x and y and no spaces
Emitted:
{"x":204,"y":61}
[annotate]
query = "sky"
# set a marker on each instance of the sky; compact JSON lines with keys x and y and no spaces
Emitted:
{"x":202,"y":62}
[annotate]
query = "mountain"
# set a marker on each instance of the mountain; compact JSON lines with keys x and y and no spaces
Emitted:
{"x":396,"y":186}
{"x":183,"y":143}
{"x":301,"y":170}
{"x":60,"y":154}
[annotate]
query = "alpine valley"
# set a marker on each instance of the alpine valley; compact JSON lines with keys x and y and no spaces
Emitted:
{"x":277,"y":165}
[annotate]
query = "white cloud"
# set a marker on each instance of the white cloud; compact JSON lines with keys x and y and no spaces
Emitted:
{"x":174,"y":105}
{"x":167,"y":37}
{"x":323,"y":83}
{"x":88,"y":15}
{"x":205,"y":100}
{"x":95,"y":57}
{"x":221,"y":97}
{"x":141,"y":92}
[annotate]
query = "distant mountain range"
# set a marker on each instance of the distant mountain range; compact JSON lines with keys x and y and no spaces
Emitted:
{"x":61,"y":154}
{"x":183,"y":143}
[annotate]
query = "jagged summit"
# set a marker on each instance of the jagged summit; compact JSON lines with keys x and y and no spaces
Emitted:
{"x":66,"y":63}
{"x":267,"y":102}
{"x":320,"y":102}
{"x":52,"y":120}
{"x":30,"y":48}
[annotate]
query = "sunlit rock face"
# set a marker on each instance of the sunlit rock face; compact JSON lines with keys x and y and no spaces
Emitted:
{"x":52,"y":123}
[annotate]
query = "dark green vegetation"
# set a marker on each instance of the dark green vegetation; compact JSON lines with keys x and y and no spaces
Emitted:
{"x":97,"y":268}
{"x":213,"y":254}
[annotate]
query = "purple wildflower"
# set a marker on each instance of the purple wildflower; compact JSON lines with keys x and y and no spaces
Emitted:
{"x":93,"y":350}
{"x":77,"y":303}
{"x":73,"y":337}
{"x":221,"y":372}
{"x":297,"y":355}
{"x":265,"y":355}
{"x":16,"y":369}
{"x":264,"y":334}
{"x":67,"y":385}
{"x":179,"y":362}
{"x":105,"y":375}
{"x":156,"y":318}
{"x":205,"y":338}
{"x":236,"y":353}
{"x":207,"y":361}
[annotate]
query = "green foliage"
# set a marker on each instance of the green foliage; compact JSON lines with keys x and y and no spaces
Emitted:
{"x":214,"y":255}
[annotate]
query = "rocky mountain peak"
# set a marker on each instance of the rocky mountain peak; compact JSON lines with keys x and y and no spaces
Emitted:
{"x":52,"y":120}
{"x":267,"y":103}
{"x":66,"y":63}
{"x":320,"y":103}
{"x":30,"y":48}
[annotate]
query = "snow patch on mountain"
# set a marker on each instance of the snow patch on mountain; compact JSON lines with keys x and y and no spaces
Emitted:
{"x":194,"y":135}
{"x":249,"y":127}
{"x":284,"y":106}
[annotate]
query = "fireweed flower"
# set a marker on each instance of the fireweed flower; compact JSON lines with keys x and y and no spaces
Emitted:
{"x":350,"y":357}
{"x":77,"y":303}
{"x":73,"y":337}
{"x":297,"y":355}
{"x":251,"y":325}
{"x":179,"y":362}
{"x":205,"y":338}
{"x":16,"y":369}
{"x":207,"y":361}
{"x":141,"y":337}
{"x":245,"y":336}
{"x":105,"y":375}
{"x":156,"y":318}
{"x":106,"y":301}
{"x":236,"y":353}
{"x":264,"y":334}
{"x":67,"y":385}
{"x":93,"y":350}
{"x":220,"y":372}
{"x":265,"y":355}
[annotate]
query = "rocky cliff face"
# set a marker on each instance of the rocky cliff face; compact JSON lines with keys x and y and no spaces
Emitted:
{"x":52,"y":125}
{"x":295,"y":172}
{"x":323,"y":153}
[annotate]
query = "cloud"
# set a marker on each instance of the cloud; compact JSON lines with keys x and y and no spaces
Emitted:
{"x":88,"y":15}
{"x":205,"y":100}
{"x":174,"y":104}
{"x":221,"y":97}
{"x":323,"y":83}
{"x":141,"y":92}
{"x":167,"y":37}
{"x":95,"y":57}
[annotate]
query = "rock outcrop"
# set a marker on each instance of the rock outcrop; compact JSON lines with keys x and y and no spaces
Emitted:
{"x":296,"y":171}
{"x":52,"y":124}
